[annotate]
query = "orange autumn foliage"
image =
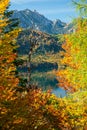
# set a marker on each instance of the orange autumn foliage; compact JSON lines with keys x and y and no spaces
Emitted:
{"x":74,"y":73}
{"x":8,"y":81}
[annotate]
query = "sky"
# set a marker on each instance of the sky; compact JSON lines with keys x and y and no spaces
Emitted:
{"x":52,"y":9}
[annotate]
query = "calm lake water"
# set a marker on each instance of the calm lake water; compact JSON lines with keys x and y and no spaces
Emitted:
{"x":46,"y":82}
{"x":59,"y":92}
{"x":44,"y":79}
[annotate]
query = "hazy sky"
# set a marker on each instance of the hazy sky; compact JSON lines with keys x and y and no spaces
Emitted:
{"x":52,"y":9}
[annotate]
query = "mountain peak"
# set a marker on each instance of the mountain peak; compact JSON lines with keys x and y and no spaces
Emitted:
{"x":26,"y":9}
{"x":57,"y":20}
{"x":38,"y":21}
{"x":59,"y":23}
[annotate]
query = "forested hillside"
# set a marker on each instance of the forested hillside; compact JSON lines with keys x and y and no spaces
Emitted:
{"x":44,"y":57}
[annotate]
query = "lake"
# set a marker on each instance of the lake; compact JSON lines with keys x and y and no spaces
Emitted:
{"x":59,"y":92}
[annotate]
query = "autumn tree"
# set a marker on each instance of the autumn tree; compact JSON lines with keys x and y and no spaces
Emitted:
{"x":74,"y":74}
{"x":18,"y":110}
{"x":8,"y":81}
{"x":81,"y":6}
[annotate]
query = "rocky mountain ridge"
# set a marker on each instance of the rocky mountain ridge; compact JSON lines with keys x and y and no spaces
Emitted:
{"x":37,"y":21}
